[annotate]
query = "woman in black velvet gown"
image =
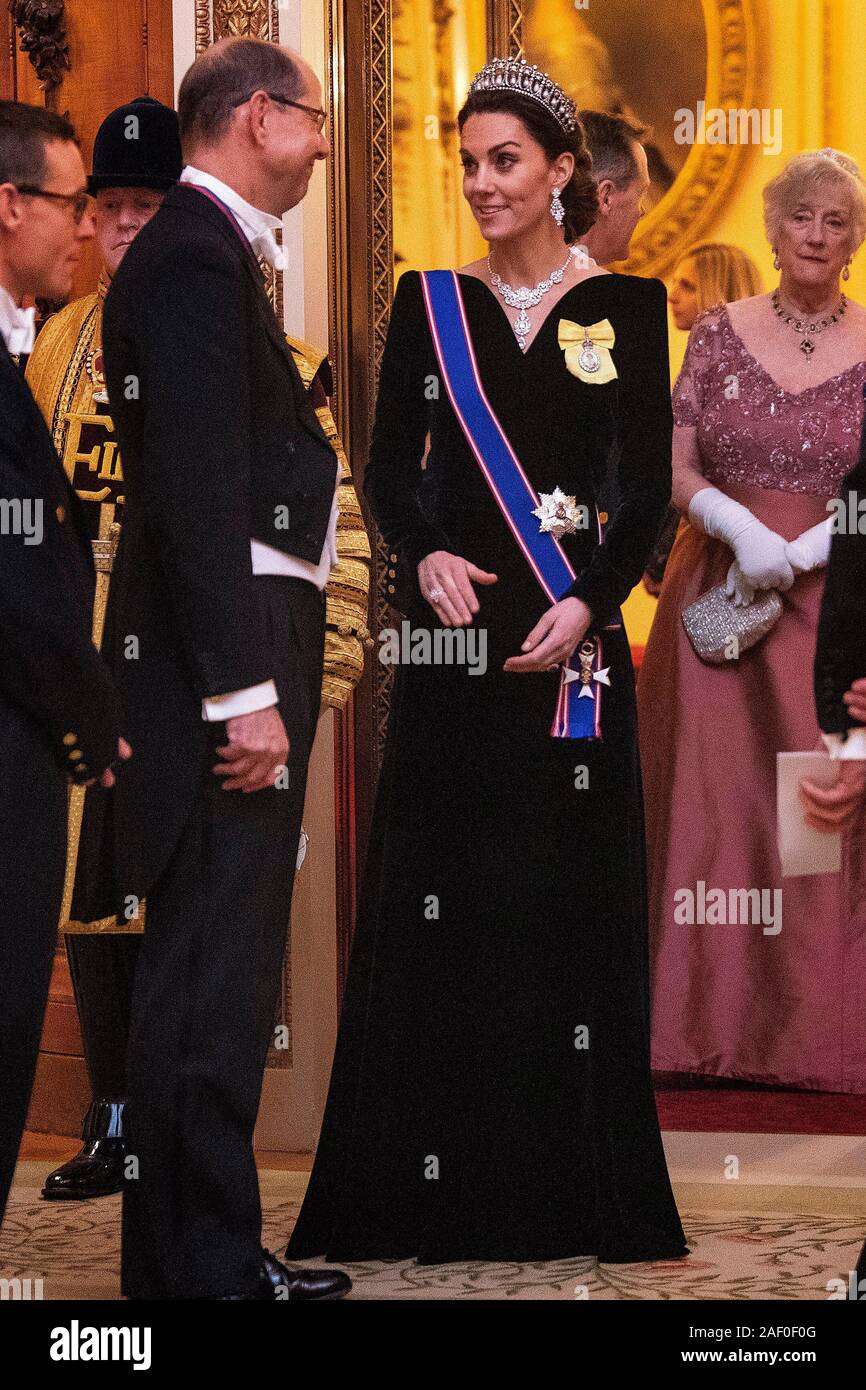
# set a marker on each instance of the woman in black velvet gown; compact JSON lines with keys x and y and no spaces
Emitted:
{"x":491,"y":1097}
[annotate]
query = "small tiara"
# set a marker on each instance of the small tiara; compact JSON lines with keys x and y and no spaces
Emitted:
{"x":516,"y":75}
{"x":843,"y":160}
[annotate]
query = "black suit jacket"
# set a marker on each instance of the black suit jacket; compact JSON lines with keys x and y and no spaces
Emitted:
{"x":220,"y":445}
{"x":49,"y":667}
{"x":840,"y":656}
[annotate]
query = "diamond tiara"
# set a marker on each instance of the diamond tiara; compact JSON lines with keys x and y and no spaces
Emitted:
{"x":516,"y":75}
{"x":843,"y":160}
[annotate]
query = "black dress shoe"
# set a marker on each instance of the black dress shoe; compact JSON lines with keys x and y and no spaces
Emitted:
{"x":298,"y":1285}
{"x":97,"y":1171}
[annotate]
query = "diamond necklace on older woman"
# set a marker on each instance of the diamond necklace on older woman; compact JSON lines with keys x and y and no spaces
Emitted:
{"x":525,"y":298}
{"x":808,"y":330}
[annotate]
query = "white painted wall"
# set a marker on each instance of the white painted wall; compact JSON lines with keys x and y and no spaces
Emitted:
{"x":183,"y":28}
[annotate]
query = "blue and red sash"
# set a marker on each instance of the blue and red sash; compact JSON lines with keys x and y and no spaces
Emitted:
{"x":578,"y":704}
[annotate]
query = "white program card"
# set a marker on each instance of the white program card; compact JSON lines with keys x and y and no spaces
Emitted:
{"x":802,"y":849}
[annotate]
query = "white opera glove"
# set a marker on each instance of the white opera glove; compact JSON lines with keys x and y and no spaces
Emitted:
{"x":811,"y":550}
{"x":760,"y":561}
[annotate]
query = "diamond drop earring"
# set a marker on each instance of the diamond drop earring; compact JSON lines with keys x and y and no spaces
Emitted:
{"x":776,"y":262}
{"x":846,"y":273}
{"x":557,"y":207}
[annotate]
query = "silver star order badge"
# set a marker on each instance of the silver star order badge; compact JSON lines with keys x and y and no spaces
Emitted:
{"x":557,"y":514}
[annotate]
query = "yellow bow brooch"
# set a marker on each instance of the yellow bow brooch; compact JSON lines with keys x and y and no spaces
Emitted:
{"x":587,"y":350}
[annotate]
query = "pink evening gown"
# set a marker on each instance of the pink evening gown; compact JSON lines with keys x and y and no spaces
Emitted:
{"x":740,"y":1000}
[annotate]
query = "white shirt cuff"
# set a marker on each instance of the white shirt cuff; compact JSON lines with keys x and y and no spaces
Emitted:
{"x":854,"y":746}
{"x":255,"y":697}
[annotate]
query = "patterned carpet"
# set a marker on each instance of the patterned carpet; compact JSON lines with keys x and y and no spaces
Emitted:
{"x":776,"y":1242}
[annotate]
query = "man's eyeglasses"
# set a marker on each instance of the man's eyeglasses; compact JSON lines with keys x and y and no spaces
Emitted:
{"x":78,"y":202}
{"x":315,"y":112}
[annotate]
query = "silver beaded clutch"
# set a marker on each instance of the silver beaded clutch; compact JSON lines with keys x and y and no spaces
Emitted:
{"x":719,"y":631}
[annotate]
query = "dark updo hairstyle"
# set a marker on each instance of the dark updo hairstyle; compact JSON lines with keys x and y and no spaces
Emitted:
{"x":580,"y":195}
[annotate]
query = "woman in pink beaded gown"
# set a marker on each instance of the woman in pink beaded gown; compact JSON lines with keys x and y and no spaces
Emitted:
{"x":768,"y":412}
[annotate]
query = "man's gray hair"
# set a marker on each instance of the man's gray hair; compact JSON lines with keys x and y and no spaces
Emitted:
{"x":611,"y":139}
{"x":226,"y":75}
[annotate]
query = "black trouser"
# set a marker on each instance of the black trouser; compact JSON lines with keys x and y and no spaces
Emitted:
{"x":102,"y":967}
{"x":32,"y":862}
{"x":101,"y":963}
{"x":206,"y":994}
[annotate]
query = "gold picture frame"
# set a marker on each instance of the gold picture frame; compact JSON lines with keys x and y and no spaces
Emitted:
{"x":701,"y":186}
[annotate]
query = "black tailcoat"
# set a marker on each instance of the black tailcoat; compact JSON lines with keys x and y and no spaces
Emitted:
{"x":219,"y":444}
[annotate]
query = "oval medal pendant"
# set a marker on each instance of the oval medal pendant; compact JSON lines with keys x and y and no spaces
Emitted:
{"x":589,"y":359}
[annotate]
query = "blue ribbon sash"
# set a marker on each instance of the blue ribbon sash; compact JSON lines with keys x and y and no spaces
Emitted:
{"x":582,"y":676}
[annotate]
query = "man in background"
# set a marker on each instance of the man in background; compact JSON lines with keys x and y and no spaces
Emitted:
{"x":619,"y":167}
{"x":621,"y":173}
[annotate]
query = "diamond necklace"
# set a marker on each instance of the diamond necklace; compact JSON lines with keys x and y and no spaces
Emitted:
{"x":807,"y":331}
{"x":525,"y":298}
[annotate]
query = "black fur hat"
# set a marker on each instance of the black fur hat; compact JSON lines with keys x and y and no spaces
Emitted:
{"x":137,"y":146}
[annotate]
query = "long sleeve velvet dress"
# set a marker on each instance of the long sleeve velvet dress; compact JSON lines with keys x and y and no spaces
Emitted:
{"x":490,"y":1096}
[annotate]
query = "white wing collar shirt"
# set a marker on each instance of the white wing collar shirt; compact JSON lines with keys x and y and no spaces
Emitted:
{"x":259,"y":228}
{"x":17,"y":326}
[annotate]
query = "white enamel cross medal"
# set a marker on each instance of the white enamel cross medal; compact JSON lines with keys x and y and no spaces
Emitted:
{"x":586,"y":675}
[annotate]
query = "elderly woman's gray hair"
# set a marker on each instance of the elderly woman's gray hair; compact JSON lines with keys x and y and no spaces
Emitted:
{"x":801,"y":175}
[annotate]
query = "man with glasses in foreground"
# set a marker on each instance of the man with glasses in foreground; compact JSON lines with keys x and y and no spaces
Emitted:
{"x":229,"y":536}
{"x":59,"y":715}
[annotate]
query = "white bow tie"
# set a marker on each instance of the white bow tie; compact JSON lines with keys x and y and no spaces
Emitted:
{"x":21,"y":333}
{"x":265,"y":244}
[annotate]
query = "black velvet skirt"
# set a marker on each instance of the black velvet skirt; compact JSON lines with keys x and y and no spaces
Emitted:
{"x":491,"y":1095}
